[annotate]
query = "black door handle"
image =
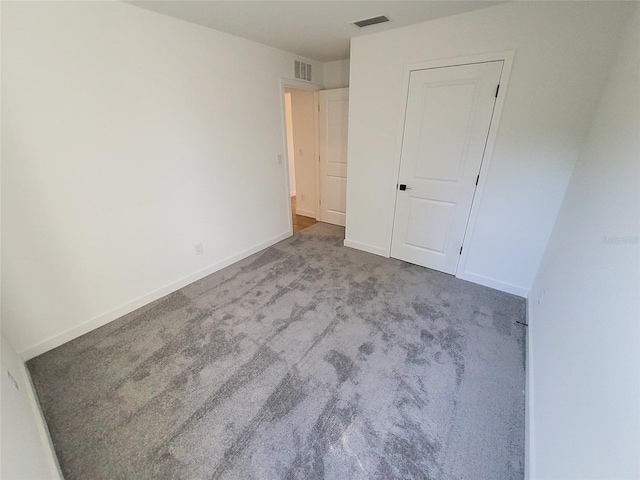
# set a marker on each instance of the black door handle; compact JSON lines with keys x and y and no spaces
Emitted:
{"x":403,"y":187}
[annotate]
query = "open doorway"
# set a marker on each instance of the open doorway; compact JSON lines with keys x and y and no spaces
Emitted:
{"x":301,"y":131}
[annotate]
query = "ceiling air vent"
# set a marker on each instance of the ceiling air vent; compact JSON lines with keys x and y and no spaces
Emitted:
{"x":371,"y":21}
{"x":302,"y":70}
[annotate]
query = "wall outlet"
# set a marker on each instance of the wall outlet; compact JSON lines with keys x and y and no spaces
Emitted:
{"x":279,"y":159}
{"x":302,"y":197}
{"x":199,"y":249}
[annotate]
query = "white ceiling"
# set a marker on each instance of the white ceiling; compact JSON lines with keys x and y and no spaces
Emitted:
{"x":320,"y":30}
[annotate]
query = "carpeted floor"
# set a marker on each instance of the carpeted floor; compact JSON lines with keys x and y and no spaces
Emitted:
{"x":308,"y":360}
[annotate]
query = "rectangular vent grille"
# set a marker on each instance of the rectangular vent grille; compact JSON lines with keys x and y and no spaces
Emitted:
{"x":371,"y":21}
{"x":302,"y":71}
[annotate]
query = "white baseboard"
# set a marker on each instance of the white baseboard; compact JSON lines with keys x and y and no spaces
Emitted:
{"x":43,"y":429}
{"x":529,"y":442}
{"x":99,"y":321}
{"x":33,"y":453}
{"x":366,"y":248}
{"x":489,"y":282}
{"x":305,"y":213}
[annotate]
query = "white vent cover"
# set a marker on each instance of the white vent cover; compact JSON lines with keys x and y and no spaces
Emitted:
{"x":302,"y":70}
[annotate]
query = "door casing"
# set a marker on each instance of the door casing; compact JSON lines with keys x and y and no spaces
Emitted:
{"x":507,"y":57}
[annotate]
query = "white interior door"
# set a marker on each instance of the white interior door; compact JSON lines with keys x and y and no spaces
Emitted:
{"x":334,"y":118}
{"x":447,"y":122}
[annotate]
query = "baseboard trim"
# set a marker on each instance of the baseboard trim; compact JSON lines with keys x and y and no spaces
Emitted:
{"x":305,"y":213}
{"x":529,"y":439}
{"x":43,"y":428}
{"x":99,"y":321}
{"x":366,"y":248}
{"x":489,"y":282}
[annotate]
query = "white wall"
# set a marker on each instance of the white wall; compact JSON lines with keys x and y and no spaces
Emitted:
{"x":335,"y":74}
{"x":562,"y":51}
{"x":26,"y":449}
{"x":305,"y":135}
{"x":585,"y":332}
{"x":290,"y":148}
{"x":128,"y":137}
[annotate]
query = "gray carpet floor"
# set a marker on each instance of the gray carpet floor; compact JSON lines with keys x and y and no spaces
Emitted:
{"x":308,"y":360}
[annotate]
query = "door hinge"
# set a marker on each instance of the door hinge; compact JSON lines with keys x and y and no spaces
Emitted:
{"x":497,"y":90}
{"x":477,"y":180}
{"x":320,"y":201}
{"x":460,"y":250}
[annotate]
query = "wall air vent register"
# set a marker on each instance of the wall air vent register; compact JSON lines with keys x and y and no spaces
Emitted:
{"x":371,"y":21}
{"x":302,"y":71}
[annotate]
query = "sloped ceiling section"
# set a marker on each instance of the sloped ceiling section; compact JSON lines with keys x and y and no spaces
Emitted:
{"x":320,"y":30}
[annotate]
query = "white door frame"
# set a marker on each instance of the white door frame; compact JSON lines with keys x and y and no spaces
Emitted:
{"x":507,"y":57}
{"x":299,"y":85}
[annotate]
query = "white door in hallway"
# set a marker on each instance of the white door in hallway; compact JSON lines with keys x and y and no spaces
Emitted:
{"x":334,"y":118}
{"x":448,"y":115}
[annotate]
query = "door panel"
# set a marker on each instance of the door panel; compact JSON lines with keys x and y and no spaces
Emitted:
{"x":439,"y":135}
{"x":334,"y":117}
{"x":429,"y":224}
{"x":334,"y":200}
{"x":447,"y":121}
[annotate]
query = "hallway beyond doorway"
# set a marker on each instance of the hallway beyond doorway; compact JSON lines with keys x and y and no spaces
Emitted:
{"x":300,"y":222}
